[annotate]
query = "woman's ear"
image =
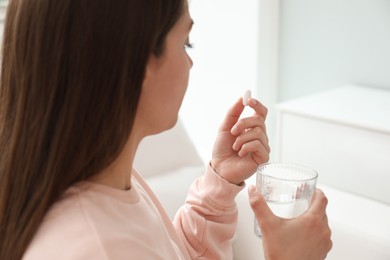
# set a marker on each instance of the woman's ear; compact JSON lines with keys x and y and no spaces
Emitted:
{"x":151,"y":66}
{"x":148,"y":73}
{"x":152,"y":73}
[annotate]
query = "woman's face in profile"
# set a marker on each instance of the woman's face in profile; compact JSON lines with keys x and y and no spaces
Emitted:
{"x":166,"y":79}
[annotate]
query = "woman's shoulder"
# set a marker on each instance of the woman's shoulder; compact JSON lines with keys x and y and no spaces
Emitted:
{"x":65,"y":233}
{"x":97,"y":222}
{"x":82,"y":222}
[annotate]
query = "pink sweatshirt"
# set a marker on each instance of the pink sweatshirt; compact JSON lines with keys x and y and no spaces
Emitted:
{"x":93,"y":221}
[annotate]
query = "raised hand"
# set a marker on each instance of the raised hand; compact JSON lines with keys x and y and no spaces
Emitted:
{"x":241,"y":144}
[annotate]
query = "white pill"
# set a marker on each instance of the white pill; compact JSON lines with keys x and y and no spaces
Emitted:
{"x":246,"y":97}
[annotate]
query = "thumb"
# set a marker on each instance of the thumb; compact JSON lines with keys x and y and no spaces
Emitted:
{"x":259,"y":205}
{"x":318,"y":202}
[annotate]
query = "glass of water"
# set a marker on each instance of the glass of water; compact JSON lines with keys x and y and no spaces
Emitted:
{"x":287,"y":188}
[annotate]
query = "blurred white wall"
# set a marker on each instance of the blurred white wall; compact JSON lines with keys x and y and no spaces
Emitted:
{"x":225,"y":55}
{"x":281,"y":49}
{"x":328,"y":43}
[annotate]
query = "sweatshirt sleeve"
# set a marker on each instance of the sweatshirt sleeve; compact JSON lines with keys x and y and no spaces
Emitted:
{"x":207,"y":221}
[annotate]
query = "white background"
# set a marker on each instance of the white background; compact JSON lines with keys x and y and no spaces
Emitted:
{"x":225,"y":55}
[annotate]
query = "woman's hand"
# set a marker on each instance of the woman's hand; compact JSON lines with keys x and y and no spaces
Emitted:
{"x":304,"y":237}
{"x":241,"y":144}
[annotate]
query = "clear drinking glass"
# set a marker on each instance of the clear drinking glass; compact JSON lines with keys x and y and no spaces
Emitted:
{"x":287,"y":188}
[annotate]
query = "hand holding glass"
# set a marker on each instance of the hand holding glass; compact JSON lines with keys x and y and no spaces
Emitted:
{"x":287,"y":188}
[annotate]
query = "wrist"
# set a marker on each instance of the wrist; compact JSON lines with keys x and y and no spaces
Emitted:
{"x":219,"y":171}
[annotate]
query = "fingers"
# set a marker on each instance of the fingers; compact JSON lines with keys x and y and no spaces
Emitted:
{"x":318,"y":207}
{"x":259,"y":108}
{"x":249,"y":134}
{"x":258,"y":204}
{"x":257,"y":120}
{"x":258,"y":152}
{"x":250,"y":122}
{"x":319,"y":202}
{"x":232,"y":116}
{"x":253,"y":134}
{"x":235,"y":112}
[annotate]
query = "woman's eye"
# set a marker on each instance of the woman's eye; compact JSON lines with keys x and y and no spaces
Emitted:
{"x":188,"y":45}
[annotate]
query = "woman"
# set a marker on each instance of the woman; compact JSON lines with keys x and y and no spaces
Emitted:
{"x":82,"y":83}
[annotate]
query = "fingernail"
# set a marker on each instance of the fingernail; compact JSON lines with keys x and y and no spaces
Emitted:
{"x":234,"y":130}
{"x":253,"y":101}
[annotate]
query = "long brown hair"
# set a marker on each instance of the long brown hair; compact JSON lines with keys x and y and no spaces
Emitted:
{"x":71,"y":78}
